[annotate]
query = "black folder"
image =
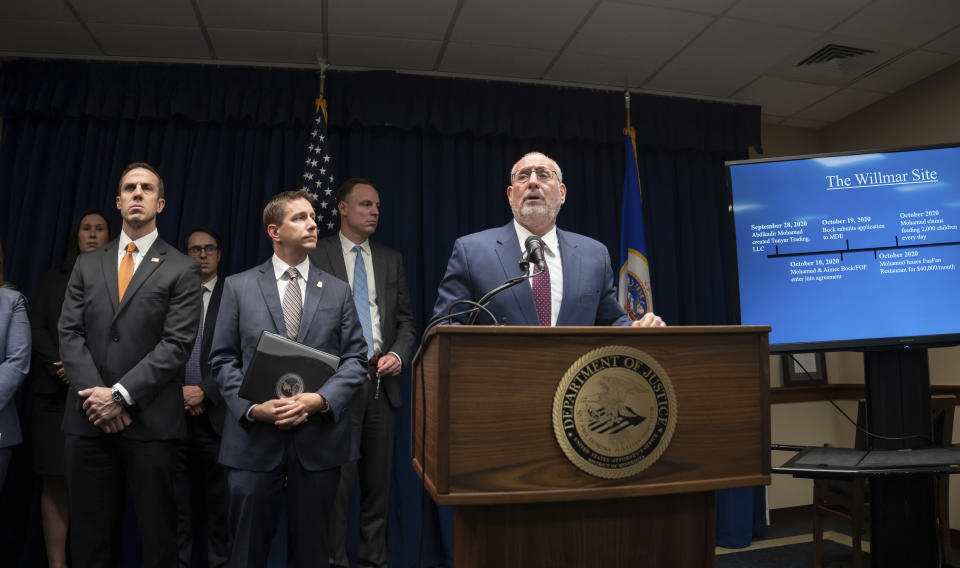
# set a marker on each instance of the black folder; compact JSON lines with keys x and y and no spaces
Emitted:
{"x":282,"y":368}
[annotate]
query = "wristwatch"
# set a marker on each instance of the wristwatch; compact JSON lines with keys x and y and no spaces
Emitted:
{"x":118,"y":398}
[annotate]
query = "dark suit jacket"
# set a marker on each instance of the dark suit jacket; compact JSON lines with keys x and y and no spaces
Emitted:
{"x":14,"y":361}
{"x":215,"y":407}
{"x":142,"y":342}
{"x":482,"y":261}
{"x":393,"y":299}
{"x":44,"y":318}
{"x":250,"y":305}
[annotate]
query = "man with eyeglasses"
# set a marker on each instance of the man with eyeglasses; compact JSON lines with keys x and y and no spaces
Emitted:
{"x":201,"y":481}
{"x":576,"y":288}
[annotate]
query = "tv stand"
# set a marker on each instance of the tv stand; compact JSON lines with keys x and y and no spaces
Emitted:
{"x":902,"y":510}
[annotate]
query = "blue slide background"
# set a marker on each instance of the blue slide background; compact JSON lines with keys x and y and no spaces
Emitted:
{"x":864,"y":304}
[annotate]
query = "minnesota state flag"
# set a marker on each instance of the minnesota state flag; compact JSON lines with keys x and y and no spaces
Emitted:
{"x":634,"y":284}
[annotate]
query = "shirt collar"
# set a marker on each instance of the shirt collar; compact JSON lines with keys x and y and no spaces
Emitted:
{"x":280,"y":267}
{"x":143,"y":243}
{"x":210,"y":284}
{"x":549,"y":239}
{"x":347,"y":245}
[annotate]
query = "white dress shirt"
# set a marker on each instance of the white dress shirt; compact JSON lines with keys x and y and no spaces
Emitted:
{"x":143,"y":245}
{"x":209,"y":286}
{"x":551,"y":253}
{"x":280,"y":273}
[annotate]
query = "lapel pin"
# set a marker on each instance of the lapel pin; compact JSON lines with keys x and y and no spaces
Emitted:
{"x":155,"y":259}
{"x":319,"y":284}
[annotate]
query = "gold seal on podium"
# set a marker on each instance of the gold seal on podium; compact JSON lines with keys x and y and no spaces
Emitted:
{"x":614,"y":412}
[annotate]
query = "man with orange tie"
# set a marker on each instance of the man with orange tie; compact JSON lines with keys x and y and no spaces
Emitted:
{"x":127,"y":326}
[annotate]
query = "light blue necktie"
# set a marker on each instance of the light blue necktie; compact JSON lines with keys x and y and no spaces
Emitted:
{"x":362,"y":299}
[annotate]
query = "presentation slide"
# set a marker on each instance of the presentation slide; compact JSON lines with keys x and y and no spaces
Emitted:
{"x":851,"y":247}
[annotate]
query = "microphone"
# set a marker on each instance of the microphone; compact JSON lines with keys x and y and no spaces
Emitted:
{"x":534,"y":247}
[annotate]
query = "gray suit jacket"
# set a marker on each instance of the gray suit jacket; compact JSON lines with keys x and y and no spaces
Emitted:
{"x":393,"y":299}
{"x":14,"y":361}
{"x":142,"y":342}
{"x":250,"y":305}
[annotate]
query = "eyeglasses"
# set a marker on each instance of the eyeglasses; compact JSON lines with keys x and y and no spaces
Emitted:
{"x":542,"y":173}
{"x":196,"y":250}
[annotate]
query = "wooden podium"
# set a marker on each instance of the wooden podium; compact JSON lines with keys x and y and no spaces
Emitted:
{"x":483,"y":441}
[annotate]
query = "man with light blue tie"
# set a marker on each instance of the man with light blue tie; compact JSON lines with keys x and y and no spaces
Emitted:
{"x":286,"y":449}
{"x":376,"y":276}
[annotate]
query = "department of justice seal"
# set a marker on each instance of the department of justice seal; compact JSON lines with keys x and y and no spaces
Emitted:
{"x":614,"y":412}
{"x":289,"y":385}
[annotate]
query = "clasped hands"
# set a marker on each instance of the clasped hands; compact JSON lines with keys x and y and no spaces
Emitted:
{"x":103,"y":411}
{"x":287,"y":413}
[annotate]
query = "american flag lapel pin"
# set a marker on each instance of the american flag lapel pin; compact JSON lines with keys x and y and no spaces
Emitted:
{"x":155,"y":259}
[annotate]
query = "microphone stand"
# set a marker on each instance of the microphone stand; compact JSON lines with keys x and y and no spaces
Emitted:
{"x":506,"y":285}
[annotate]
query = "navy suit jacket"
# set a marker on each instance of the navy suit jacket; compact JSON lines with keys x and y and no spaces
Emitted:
{"x":14,"y":361}
{"x":251,"y":304}
{"x":482,"y":261}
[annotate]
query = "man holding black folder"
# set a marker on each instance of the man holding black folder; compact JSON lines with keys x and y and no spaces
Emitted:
{"x":292,"y":447}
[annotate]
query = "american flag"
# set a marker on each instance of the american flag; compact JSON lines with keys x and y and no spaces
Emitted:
{"x":318,"y":178}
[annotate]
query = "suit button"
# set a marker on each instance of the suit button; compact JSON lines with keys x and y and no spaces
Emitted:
{"x":116,"y":338}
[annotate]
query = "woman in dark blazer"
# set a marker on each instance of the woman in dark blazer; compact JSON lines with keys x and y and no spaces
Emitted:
{"x":14,"y":365}
{"x":50,"y":382}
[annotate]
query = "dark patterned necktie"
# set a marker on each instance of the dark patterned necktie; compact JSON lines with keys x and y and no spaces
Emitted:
{"x":193,"y":374}
{"x":541,"y":295}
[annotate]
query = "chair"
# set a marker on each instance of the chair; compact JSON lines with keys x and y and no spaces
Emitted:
{"x":850,"y":498}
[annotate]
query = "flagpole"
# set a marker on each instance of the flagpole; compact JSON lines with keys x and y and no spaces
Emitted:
{"x":626,"y":103}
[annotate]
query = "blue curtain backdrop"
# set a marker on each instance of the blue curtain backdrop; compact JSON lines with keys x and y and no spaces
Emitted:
{"x":225,"y":139}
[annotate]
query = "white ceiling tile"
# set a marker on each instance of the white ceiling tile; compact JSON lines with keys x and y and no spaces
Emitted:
{"x":151,"y":41}
{"x":840,"y":105}
{"x":698,"y":80}
{"x":947,"y":43}
{"x":804,"y":123}
{"x":781,"y":97}
{"x":748,"y":46}
{"x":771,"y":119}
{"x":46,"y":37}
{"x":598,"y":70}
{"x":705,"y":6}
{"x":280,"y":47}
{"x":275,"y":15}
{"x":495,"y":60}
{"x":423,"y":19}
{"x":383,"y":53}
{"x":652,"y":35}
{"x":905,"y":71}
{"x":143,"y":12}
{"x":819,"y":15}
{"x":53,"y":10}
{"x":532,"y":23}
{"x":906,"y":22}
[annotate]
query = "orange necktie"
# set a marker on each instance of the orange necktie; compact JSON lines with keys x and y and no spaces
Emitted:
{"x":126,"y":269}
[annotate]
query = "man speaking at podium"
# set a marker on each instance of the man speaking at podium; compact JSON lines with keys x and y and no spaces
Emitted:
{"x":574,"y":288}
{"x":286,"y":448}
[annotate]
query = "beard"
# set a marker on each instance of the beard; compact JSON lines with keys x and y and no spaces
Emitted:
{"x":533,"y":214}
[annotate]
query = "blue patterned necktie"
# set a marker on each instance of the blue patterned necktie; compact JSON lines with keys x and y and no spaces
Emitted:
{"x":361,"y":299}
{"x":193,"y":374}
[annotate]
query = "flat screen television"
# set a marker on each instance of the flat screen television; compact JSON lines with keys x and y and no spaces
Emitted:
{"x":854,"y":250}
